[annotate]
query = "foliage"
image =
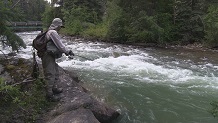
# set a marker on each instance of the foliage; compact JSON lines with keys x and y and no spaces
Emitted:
{"x":188,"y":20}
{"x":145,"y":29}
{"x":81,"y":15}
{"x":92,"y":9}
{"x":74,"y":20}
{"x":50,"y":13}
{"x":168,"y":30}
{"x":17,"y":10}
{"x":211,"y":26}
{"x":29,"y":10}
{"x":214,"y":110}
{"x":22,"y":99}
{"x":96,"y":31}
{"x":137,"y":25}
{"x":48,"y":16}
{"x":7,"y":91}
{"x":124,"y":21}
{"x":117,"y":31}
{"x":6,"y":15}
{"x":29,"y":101}
{"x":100,"y":29}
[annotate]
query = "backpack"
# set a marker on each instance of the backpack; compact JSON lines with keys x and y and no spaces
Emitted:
{"x":40,"y":43}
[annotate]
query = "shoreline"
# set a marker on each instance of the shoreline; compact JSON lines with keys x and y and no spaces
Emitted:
{"x":194,"y":46}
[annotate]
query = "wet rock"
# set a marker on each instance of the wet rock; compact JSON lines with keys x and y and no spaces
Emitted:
{"x":12,"y":54}
{"x":75,"y":98}
{"x":115,"y":54}
{"x":76,"y":116}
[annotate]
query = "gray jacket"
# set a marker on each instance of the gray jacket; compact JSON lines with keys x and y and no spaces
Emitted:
{"x":55,"y":44}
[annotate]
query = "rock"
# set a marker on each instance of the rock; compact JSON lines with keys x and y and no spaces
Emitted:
{"x":75,"y":98}
{"x":5,"y":75}
{"x":75,"y":106}
{"x":76,"y":116}
{"x":115,"y":54}
{"x":12,"y":54}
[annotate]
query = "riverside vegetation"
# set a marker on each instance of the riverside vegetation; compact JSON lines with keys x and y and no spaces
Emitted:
{"x":22,"y":98}
{"x":161,"y":22}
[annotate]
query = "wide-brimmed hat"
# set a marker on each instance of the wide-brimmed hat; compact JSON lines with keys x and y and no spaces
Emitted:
{"x":57,"y":22}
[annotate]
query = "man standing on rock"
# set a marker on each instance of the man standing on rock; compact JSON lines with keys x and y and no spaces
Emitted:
{"x":55,"y":49}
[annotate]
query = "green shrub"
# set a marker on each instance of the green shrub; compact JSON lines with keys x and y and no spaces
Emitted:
{"x":29,"y":100}
{"x":77,"y":18}
{"x":168,"y":29}
{"x":214,"y":110}
{"x":97,"y":31}
{"x":117,"y":30}
{"x":74,"y":27}
{"x":145,"y":29}
{"x":211,"y":26}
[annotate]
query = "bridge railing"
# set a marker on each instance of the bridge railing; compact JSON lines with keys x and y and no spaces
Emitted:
{"x":28,"y":23}
{"x":25,"y":26}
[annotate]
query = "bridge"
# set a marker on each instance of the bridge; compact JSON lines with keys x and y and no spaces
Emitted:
{"x":26,"y":26}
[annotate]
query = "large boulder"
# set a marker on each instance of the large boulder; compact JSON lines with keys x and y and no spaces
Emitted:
{"x":76,"y":116}
{"x":75,"y":99}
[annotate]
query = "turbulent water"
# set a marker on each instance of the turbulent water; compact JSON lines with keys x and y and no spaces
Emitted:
{"x":146,"y":85}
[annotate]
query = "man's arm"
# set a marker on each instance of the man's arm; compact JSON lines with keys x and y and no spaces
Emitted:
{"x":57,"y":41}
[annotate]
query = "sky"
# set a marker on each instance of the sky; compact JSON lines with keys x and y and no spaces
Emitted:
{"x":48,"y":1}
{"x":56,"y":5}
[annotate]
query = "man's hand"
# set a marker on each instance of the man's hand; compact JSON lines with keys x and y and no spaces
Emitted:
{"x":71,"y":53}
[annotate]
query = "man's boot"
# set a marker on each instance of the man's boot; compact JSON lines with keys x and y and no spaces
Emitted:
{"x":57,"y":90}
{"x":51,"y":97}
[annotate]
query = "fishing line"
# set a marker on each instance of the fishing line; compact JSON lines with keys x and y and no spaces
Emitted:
{"x":71,"y":57}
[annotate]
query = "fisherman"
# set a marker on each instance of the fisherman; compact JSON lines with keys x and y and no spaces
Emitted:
{"x":55,"y":49}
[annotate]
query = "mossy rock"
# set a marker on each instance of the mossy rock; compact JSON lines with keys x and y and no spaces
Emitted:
{"x":10,"y":67}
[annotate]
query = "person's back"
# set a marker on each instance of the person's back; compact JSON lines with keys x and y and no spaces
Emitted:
{"x":51,"y":46}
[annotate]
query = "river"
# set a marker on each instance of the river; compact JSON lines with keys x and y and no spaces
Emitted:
{"x":146,"y":85}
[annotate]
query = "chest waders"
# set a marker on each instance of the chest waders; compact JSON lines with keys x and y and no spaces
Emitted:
{"x":51,"y":73}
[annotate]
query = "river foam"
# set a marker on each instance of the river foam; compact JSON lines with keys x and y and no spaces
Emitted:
{"x":122,"y":60}
{"x":147,"y":85}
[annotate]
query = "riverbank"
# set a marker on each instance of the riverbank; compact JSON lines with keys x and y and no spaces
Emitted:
{"x":151,"y":84}
{"x":25,"y":101}
{"x":193,"y":46}
{"x":142,"y":82}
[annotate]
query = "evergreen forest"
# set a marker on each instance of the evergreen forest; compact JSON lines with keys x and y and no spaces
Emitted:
{"x":144,"y":22}
{"x":160,"y":22}
{"x":18,"y":10}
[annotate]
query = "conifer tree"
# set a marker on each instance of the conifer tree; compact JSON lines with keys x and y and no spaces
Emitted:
{"x":6,"y":12}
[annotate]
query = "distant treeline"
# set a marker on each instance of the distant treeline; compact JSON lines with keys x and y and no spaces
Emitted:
{"x":128,"y":21}
{"x":140,"y":21}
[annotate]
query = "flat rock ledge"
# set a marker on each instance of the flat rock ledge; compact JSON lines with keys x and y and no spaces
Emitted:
{"x":77,"y":106}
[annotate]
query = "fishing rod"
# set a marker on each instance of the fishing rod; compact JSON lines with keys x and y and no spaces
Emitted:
{"x":71,"y":57}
